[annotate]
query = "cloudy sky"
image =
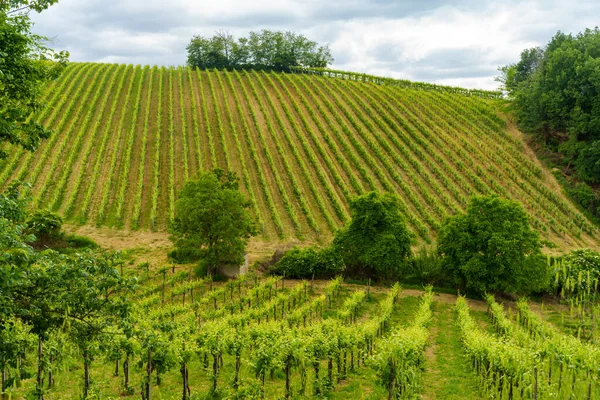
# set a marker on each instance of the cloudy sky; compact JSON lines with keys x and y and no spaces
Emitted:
{"x":459,"y":42}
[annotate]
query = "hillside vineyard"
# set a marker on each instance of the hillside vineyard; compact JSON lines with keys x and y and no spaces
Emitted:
{"x":126,"y":138}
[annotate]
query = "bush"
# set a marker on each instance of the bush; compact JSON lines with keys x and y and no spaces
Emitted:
{"x":185,"y":255}
{"x":45,"y":225}
{"x":583,"y":260}
{"x":309,"y":262}
{"x":80,"y":242}
{"x":426,"y":268}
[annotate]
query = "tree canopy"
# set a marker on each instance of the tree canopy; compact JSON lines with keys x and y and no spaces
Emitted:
{"x":26,"y":64}
{"x":376,"y":242}
{"x":556,"y":93}
{"x":212,"y":217}
{"x":491,"y":247}
{"x":274,"y":50}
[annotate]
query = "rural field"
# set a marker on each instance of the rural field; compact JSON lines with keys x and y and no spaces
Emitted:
{"x":274,"y":338}
{"x":127,"y":137}
{"x":400,"y":240}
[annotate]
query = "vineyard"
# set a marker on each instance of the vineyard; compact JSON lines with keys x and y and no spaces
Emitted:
{"x":126,"y":138}
{"x":273,"y":338}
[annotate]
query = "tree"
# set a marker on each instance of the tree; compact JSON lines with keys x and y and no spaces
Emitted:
{"x":491,"y":247}
{"x":276,"y":50}
{"x":376,"y":242}
{"x":26,"y":65}
{"x":212,"y":216}
{"x":556,"y":97}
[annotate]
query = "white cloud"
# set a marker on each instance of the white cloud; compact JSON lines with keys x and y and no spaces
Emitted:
{"x":459,"y":43}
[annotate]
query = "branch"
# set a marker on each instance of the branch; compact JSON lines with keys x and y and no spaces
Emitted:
{"x":18,"y":9}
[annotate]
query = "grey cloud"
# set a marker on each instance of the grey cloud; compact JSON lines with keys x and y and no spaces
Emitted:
{"x":156,"y":32}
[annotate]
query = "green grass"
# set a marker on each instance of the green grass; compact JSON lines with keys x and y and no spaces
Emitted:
{"x":447,"y":373}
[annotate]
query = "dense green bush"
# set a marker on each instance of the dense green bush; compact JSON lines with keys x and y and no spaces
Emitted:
{"x":45,"y":225}
{"x":309,"y":262}
{"x":426,"y":268}
{"x":493,"y":248}
{"x":80,"y":242}
{"x":376,"y":242}
{"x":583,"y":260}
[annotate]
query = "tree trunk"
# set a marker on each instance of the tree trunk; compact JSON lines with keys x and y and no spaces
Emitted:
{"x":86,"y":373}
{"x":50,"y":373}
{"x":317,"y":386}
{"x":287,"y":377}
{"x":126,"y":373}
{"x":148,"y":374}
{"x":184,"y":377}
{"x":117,"y":367}
{"x":238,"y":364}
{"x":215,"y":372}
{"x":3,"y":379}
{"x":392,"y":382}
{"x":40,"y":371}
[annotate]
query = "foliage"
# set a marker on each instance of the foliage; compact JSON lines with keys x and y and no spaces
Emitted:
{"x":45,"y":225}
{"x":426,"y":267}
{"x":80,"y":242}
{"x":310,"y":262}
{"x":492,"y":248}
{"x":583,"y":260}
{"x":376,"y":241}
{"x":274,"y":50}
{"x":26,"y":64}
{"x":211,"y":215}
{"x":320,"y":142}
{"x":556,"y":96}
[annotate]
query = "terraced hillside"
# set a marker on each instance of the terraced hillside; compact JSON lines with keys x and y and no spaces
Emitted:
{"x":128,"y":137}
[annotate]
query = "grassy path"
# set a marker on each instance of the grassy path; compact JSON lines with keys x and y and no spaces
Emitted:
{"x":447,"y":374}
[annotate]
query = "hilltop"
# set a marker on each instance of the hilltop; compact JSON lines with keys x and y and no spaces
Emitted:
{"x":126,"y":138}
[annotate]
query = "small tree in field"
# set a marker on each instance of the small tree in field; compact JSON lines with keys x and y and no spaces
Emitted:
{"x":492,"y":248}
{"x":212,"y":217}
{"x":376,"y":242}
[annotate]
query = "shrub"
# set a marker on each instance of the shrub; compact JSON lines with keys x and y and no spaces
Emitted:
{"x":80,"y":242}
{"x":309,"y":262}
{"x":583,"y":260}
{"x":426,"y":268}
{"x":45,"y":225}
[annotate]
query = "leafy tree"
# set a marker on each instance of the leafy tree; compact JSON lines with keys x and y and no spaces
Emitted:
{"x":556,"y":97}
{"x":26,"y":64}
{"x":211,"y":215}
{"x":276,"y":50}
{"x":492,"y":248}
{"x":376,"y":242}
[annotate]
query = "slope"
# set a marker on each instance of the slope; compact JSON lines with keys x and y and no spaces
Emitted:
{"x":126,"y":138}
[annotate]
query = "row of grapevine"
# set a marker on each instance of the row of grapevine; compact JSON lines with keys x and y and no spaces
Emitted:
{"x":303,"y":146}
{"x":105,"y":135}
{"x":313,"y":160}
{"x":63,"y":157}
{"x":240,"y":154}
{"x":109,"y":178}
{"x":299,"y":159}
{"x":256,"y":158}
{"x":95,"y":136}
{"x":399,"y":360}
{"x":266,"y":152}
{"x":64,"y":91}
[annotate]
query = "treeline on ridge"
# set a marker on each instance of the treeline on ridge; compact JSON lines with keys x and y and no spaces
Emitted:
{"x":264,"y":50}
